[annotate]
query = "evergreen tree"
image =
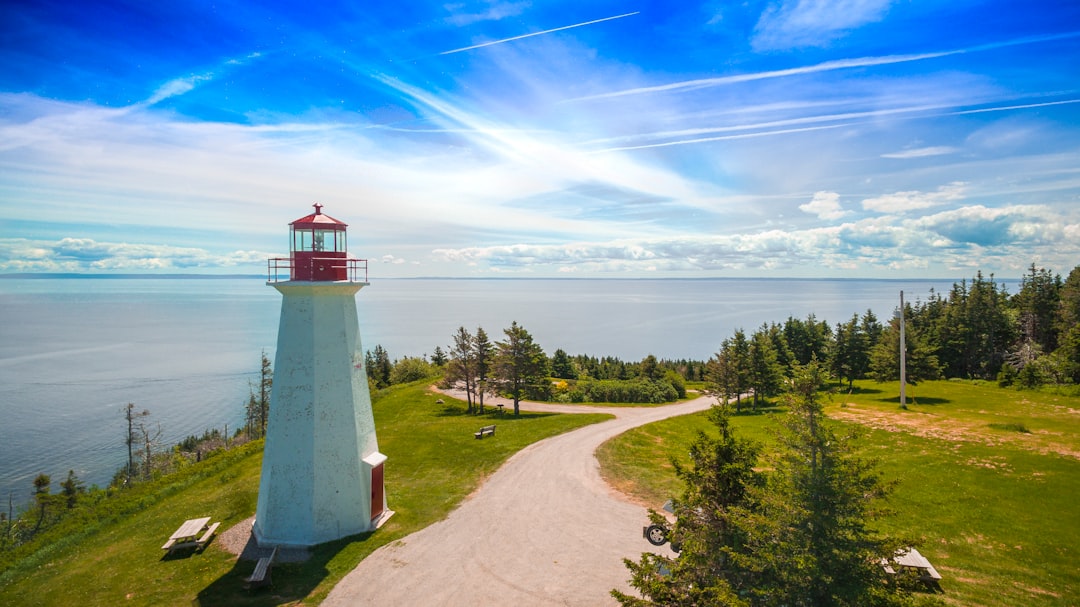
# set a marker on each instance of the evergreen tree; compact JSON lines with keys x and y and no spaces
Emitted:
{"x":799,"y":536}
{"x":717,"y":480}
{"x":1068,"y":314}
{"x":975,"y":330}
{"x":561,"y":365}
{"x":379,"y":366}
{"x":764,"y":374}
{"x":521,"y":367}
{"x":1038,"y":303}
{"x":849,"y":358}
{"x":485,"y":352}
{"x":807,"y":339}
{"x":266,"y":384}
{"x":42,"y":497}
{"x":872,"y":329}
{"x":922,"y":362}
{"x":650,"y":369}
{"x":809,"y":537}
{"x":438,"y":357}
{"x":72,"y":488}
{"x":722,"y":375}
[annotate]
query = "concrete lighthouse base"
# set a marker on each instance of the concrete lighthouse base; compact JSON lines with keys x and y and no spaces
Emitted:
{"x":322,"y":471}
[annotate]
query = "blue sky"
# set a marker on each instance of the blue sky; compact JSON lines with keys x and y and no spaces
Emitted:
{"x":851,"y":138}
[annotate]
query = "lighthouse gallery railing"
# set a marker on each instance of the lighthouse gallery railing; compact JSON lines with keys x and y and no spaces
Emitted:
{"x":280,"y":269}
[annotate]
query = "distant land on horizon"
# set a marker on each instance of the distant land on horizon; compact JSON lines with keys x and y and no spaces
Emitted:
{"x":191,"y":276}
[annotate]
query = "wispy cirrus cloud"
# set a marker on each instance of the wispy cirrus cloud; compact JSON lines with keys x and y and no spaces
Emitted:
{"x":938,"y":150}
{"x":797,"y":23}
{"x":540,"y":33}
{"x":494,"y":11}
{"x":185,"y":84}
{"x":825,"y":66}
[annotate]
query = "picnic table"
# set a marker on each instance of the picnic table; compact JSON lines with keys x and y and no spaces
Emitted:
{"x":192,"y":533}
{"x":910,"y":558}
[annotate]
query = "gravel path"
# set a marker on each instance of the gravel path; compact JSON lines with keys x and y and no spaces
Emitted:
{"x":545,"y":529}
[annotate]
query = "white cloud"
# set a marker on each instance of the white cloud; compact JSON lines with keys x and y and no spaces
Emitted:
{"x":826,"y":205}
{"x":939,"y":150}
{"x":903,"y":202}
{"x":797,"y":23}
{"x":89,"y":255}
{"x":493,"y":12}
{"x":176,"y":87}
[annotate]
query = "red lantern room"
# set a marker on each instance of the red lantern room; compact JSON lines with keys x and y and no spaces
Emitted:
{"x":318,"y":251}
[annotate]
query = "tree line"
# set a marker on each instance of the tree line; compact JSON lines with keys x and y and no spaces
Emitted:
{"x":976,"y":331}
{"x":518,"y":368}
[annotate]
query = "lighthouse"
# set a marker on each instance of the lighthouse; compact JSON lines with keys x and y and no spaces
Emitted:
{"x":322,"y":473}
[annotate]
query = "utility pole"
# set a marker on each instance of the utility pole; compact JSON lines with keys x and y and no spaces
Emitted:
{"x":903,"y":357}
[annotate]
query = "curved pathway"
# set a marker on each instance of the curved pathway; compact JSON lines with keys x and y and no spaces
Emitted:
{"x":544,"y":529}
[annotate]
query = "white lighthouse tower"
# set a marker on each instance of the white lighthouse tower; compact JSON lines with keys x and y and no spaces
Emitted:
{"x":322,"y":473}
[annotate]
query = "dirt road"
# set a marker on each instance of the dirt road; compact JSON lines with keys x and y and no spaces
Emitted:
{"x":545,"y":529}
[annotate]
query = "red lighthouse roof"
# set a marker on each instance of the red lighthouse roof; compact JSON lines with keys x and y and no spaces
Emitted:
{"x":318,"y":220}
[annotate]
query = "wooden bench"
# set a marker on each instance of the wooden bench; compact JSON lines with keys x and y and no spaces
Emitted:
{"x":485,"y":431}
{"x":174,"y":544}
{"x":261,"y":575}
{"x":205,"y":539}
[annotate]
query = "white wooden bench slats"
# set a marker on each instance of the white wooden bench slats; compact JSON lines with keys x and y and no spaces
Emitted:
{"x":261,"y":575}
{"x":485,"y":431}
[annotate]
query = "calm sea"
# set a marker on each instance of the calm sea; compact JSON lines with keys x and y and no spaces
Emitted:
{"x":74,"y":351}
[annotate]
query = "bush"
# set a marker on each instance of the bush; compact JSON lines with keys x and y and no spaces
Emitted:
{"x":410,"y":369}
{"x":623,"y":391}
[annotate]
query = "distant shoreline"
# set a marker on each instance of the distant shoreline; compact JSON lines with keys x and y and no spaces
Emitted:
{"x":81,"y":276}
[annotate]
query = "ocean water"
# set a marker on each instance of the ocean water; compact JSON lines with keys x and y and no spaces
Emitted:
{"x":75,"y":351}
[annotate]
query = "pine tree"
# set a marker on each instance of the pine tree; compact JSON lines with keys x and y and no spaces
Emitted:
{"x":485,"y":352}
{"x":809,"y":530}
{"x":799,"y":536}
{"x":717,"y":481}
{"x":521,"y":367}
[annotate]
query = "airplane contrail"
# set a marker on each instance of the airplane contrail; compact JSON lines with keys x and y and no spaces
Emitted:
{"x":557,"y":29}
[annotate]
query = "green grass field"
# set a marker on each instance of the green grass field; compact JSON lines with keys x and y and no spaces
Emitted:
{"x":434,"y":463}
{"x":989,"y":481}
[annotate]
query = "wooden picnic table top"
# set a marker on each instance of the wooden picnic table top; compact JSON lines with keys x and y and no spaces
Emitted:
{"x":190,"y":529}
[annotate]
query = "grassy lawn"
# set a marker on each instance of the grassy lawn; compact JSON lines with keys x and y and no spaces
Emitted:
{"x":988,"y":481}
{"x":434,"y":462}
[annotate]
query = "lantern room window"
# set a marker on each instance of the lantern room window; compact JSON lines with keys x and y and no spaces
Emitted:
{"x":319,"y":240}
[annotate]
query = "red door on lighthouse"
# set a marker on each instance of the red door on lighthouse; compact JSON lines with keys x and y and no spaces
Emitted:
{"x":376,"y":492}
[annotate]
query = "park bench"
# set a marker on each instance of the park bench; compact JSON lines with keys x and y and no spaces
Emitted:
{"x":485,"y":431}
{"x":261,"y":575}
